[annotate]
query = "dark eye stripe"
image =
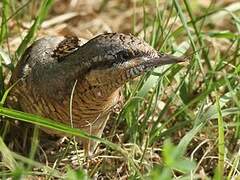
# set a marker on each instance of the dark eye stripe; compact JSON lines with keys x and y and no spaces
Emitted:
{"x":124,"y":55}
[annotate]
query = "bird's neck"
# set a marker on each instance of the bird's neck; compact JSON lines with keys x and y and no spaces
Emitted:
{"x":101,"y":96}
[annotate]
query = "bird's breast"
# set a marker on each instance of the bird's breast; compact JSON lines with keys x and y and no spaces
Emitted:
{"x":89,"y":106}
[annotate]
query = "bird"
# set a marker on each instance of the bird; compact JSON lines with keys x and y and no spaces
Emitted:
{"x":56,"y":71}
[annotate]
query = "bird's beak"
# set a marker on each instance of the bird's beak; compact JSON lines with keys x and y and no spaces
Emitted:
{"x":165,"y":59}
{"x":151,"y":62}
{"x":139,"y":65}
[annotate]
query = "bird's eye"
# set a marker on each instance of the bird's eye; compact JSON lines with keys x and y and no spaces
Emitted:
{"x":124,"y":55}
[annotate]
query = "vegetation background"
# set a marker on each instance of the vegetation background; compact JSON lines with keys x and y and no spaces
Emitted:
{"x":180,"y":121}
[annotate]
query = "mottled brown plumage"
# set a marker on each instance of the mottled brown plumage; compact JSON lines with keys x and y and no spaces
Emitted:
{"x":68,"y":45}
{"x":99,"y":68}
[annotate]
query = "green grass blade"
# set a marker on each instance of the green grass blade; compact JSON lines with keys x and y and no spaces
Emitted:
{"x":7,"y":157}
{"x":45,"y":6}
{"x":5,"y":15}
{"x":187,"y":29}
{"x":48,"y":123}
{"x":198,"y":36}
{"x":221,"y":144}
{"x":3,"y":36}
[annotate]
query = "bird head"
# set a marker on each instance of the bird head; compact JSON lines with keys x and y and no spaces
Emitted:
{"x":112,"y":59}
